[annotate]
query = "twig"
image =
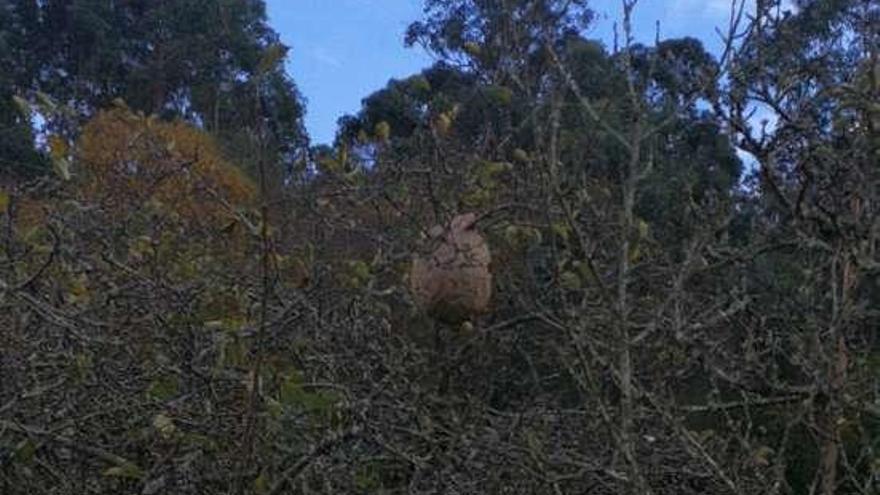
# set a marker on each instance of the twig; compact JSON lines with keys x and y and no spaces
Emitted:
{"x":290,"y":474}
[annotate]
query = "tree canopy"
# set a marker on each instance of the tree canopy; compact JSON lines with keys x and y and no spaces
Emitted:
{"x":216,"y":64}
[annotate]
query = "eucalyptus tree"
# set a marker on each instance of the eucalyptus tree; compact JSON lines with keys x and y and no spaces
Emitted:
{"x":189,"y":59}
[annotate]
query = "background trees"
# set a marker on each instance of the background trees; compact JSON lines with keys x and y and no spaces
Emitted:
{"x":216,"y":64}
{"x":684,"y":252}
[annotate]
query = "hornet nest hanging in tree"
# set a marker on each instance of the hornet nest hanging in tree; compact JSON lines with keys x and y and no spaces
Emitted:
{"x":451,"y":281}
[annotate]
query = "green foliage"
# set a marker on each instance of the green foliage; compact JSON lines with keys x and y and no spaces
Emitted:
{"x":125,"y":471}
{"x":485,"y":33}
{"x":357,"y":274}
{"x":521,"y":237}
{"x":405,"y":107}
{"x":295,"y":395}
{"x":261,"y":484}
{"x":18,"y":156}
{"x":24,"y":451}
{"x":89,"y":53}
{"x":165,"y":427}
{"x":164,"y":388}
{"x":83,"y":366}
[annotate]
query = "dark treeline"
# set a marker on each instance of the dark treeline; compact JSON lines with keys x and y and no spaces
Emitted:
{"x":684,"y":256}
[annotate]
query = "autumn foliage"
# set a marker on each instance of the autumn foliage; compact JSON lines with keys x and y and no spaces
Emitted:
{"x":129,"y":160}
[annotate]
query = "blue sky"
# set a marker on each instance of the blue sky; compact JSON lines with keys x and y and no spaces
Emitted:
{"x":343,"y":50}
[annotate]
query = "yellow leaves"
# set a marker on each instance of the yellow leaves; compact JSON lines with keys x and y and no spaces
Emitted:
{"x":295,"y":271}
{"x":484,"y":178}
{"x":762,"y":456}
{"x":323,"y":202}
{"x":562,"y":230}
{"x":489,"y":170}
{"x":272,"y":57}
{"x":473,"y":49}
{"x":4,"y":201}
{"x":338,"y":164}
{"x":342,"y":156}
{"x":534,"y":443}
{"x":420,"y":83}
{"x":23,"y":105}
{"x":78,"y":290}
{"x":274,"y":408}
{"x":357,"y":274}
{"x":499,"y":95}
{"x":477,"y":198}
{"x":165,"y":427}
{"x":61,"y":168}
{"x":382,"y":131}
{"x":58,"y":147}
{"x":163,"y":388}
{"x":635,"y":253}
{"x":329,"y":165}
{"x":59,"y":153}
{"x":522,"y":236}
{"x":130,"y":160}
{"x":126,"y":470}
{"x":569,"y":281}
{"x":641,"y":234}
{"x":576,"y":275}
{"x":521,"y":155}
{"x":82,"y":366}
{"x":46,"y":103}
{"x":262,"y":483}
{"x":642,"y":227}
{"x":510,"y":233}
{"x":442,"y":123}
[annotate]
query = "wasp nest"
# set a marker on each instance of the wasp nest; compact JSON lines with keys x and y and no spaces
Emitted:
{"x":452,"y":281}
